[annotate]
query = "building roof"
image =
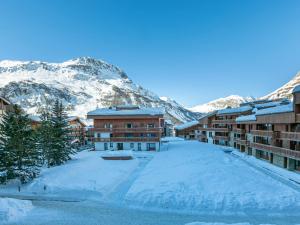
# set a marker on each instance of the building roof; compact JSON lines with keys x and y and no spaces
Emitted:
{"x":234,"y":110}
{"x":278,"y":109}
{"x":186,"y":125}
{"x":296,"y":89}
{"x":251,"y":117}
{"x":34,"y":118}
{"x":5,"y":100}
{"x":72,"y":118}
{"x":127,"y":112}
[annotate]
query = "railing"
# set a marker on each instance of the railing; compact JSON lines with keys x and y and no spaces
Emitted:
{"x":224,"y":138}
{"x":265,"y":133}
{"x":226,"y":121}
{"x":127,"y":130}
{"x":239,"y":131}
{"x":289,"y":135}
{"x":242,"y":142}
{"x":298,"y":117}
{"x":127,"y":139}
{"x":214,"y":129}
{"x":277,"y":150}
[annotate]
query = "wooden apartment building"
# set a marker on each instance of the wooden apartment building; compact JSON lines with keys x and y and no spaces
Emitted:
{"x":127,"y":127}
{"x":268,"y":130}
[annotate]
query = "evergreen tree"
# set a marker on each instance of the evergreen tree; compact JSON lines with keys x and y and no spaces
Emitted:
{"x":61,"y":145}
{"x":45,"y":137}
{"x":19,"y":157}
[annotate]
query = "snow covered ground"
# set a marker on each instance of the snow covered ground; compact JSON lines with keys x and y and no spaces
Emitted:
{"x":200,"y":177}
{"x":186,"y":182}
{"x":12,"y":210}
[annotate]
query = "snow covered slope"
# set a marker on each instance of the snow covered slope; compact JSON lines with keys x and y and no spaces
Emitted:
{"x":286,"y":90}
{"x":82,"y":84}
{"x":221,"y":103}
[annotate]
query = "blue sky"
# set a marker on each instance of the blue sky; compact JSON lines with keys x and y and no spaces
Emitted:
{"x":192,"y":51}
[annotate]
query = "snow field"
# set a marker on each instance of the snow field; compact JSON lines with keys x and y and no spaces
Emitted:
{"x":13,"y":209}
{"x":200,"y":177}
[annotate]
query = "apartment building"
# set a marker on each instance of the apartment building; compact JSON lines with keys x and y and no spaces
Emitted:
{"x":4,"y":106}
{"x":187,"y":130}
{"x":77,"y":130}
{"x":266,"y":129}
{"x":127,"y":127}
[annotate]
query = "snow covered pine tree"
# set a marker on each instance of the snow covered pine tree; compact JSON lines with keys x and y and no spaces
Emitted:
{"x":19,"y":157}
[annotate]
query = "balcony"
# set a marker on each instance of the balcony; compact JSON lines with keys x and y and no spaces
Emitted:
{"x":298,"y":117}
{"x":226,"y":121}
{"x":242,"y":142}
{"x":263,"y":133}
{"x":239,"y":131}
{"x":127,"y":139}
{"x":127,"y":130}
{"x":289,"y":135}
{"x":219,"y":138}
{"x":277,"y":150}
{"x":223,"y":129}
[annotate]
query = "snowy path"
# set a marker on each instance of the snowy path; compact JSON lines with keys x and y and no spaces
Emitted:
{"x":96,"y":213}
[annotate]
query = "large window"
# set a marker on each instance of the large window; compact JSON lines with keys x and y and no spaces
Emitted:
{"x":131,"y":145}
{"x":129,"y":125}
{"x":151,"y":146}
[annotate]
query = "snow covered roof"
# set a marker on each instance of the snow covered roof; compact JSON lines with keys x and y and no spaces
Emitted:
{"x":235,"y":110}
{"x":186,"y":125}
{"x":126,"y":112}
{"x":5,"y":100}
{"x":296,"y":89}
{"x":272,"y":103}
{"x":277,"y":109}
{"x":71,"y":118}
{"x":34,"y":118}
{"x":251,"y":117}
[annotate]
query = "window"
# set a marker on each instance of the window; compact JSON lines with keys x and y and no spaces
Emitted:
{"x":105,"y":146}
{"x":131,"y":145}
{"x":142,"y":135}
{"x":210,"y":134}
{"x":139,"y":146}
{"x":128,"y":135}
{"x":150,"y":125}
{"x":111,"y":145}
{"x":151,"y":135}
{"x":151,"y":147}
{"x":99,"y":135}
{"x":128,"y":125}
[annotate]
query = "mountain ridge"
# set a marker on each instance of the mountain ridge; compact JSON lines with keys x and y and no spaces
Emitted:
{"x":82,"y":84}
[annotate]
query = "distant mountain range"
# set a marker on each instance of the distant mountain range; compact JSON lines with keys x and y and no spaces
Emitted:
{"x":82,"y":84}
{"x":221,"y":103}
{"x":234,"y":100}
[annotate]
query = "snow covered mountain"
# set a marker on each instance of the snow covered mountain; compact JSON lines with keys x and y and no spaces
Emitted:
{"x":221,"y":103}
{"x":286,"y":90}
{"x":82,"y":84}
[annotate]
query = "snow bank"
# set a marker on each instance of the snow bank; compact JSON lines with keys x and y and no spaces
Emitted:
{"x":186,"y":125}
{"x":212,"y":223}
{"x":13,"y":209}
{"x":86,"y":172}
{"x":200,"y":177}
{"x":168,"y":139}
{"x":117,"y":153}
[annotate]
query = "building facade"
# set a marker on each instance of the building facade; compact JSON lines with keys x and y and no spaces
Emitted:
{"x":4,"y":106}
{"x":268,"y":130}
{"x":188,"y":131}
{"x":127,"y":128}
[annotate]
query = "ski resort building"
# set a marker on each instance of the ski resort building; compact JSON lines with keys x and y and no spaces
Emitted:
{"x":77,"y":130}
{"x":127,"y":128}
{"x":266,"y":129}
{"x":187,"y":130}
{"x":4,"y":106}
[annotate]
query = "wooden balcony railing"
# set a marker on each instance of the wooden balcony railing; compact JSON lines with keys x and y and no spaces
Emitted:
{"x":298,"y":117}
{"x":289,"y":135}
{"x":264,"y":133}
{"x":127,"y":130}
{"x":226,"y":121}
{"x":224,"y":138}
{"x":277,"y":150}
{"x":239,"y":131}
{"x":223,"y":129}
{"x":127,"y":139}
